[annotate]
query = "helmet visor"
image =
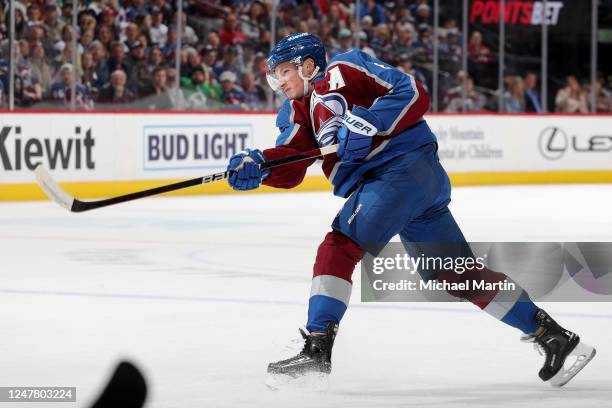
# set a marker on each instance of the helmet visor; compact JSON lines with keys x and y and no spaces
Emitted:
{"x":282,"y":73}
{"x":273,"y":81}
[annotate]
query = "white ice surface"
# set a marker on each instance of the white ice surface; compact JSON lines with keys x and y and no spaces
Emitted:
{"x":202,"y":292}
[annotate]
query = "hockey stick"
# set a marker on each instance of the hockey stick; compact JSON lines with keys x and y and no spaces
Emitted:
{"x":57,"y":194}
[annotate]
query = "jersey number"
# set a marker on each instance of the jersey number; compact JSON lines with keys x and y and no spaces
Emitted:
{"x":335,"y":79}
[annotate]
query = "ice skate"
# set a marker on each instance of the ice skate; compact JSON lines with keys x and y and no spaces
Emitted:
{"x":565,"y":355}
{"x":310,"y":367}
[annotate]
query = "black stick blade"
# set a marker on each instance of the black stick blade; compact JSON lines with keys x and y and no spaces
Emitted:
{"x":126,"y":389}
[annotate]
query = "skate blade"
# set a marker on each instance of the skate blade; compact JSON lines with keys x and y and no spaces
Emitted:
{"x":582,"y":354}
{"x":318,"y":382}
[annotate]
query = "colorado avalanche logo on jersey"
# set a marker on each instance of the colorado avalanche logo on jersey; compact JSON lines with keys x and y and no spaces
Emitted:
{"x":326,"y":116}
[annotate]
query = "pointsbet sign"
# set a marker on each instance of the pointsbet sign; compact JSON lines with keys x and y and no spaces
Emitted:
{"x":523,"y":12}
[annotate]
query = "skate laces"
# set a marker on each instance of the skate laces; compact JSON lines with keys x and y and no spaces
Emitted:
{"x":296,"y":344}
{"x":530,"y":338}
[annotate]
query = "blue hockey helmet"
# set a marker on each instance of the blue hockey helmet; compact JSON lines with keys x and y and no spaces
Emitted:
{"x":296,"y":48}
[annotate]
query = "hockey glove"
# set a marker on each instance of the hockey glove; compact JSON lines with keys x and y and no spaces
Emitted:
{"x":355,"y":135}
{"x":246,"y":173}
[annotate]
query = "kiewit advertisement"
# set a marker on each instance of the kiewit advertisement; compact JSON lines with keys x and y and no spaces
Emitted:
{"x":73,"y":147}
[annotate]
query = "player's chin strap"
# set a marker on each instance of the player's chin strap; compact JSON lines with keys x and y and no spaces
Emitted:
{"x":305,"y":79}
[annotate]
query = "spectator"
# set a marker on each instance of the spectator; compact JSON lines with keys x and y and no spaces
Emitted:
{"x":37,"y":34}
{"x":66,"y":39}
{"x":209,"y":58}
{"x":86,"y":38}
{"x":405,"y":65}
{"x":423,"y":14}
{"x":232,"y":95}
{"x":257,"y":20}
{"x":66,"y":17}
{"x":213,"y":40}
{"x":194,"y":60}
{"x":451,"y":52}
{"x":144,"y":39}
{"x":603,"y":98}
{"x":168,"y":49}
{"x":532,"y":96}
{"x":474,"y":102}
{"x":337,"y":16}
{"x":514,"y":97}
{"x":381,"y":43}
{"x":41,"y":68}
{"x":99,"y":55}
{"x":362,"y":38}
{"x":116,"y":91}
{"x":255,"y":96}
{"x":62,"y":89}
{"x":260,"y":68}
{"x":132,"y":31}
{"x":188,"y":36}
{"x":143,"y":21}
{"x":200,"y":92}
{"x":478,"y":52}
{"x":65,"y":57}
{"x":158,"y":30}
{"x":423,"y":46}
{"x":571,"y":98}
{"x":166,"y":9}
{"x":230,"y":35}
{"x":28,"y":90}
{"x":87,"y":20}
{"x":24,"y":50}
{"x":107,"y":17}
{"x":325,"y":34}
{"x":177,"y":98}
{"x":136,"y":9}
{"x":52,"y":24}
{"x":34,"y":14}
{"x":105,"y":36}
{"x":140,"y":75}
{"x":171,"y":81}
{"x":90,"y":74}
{"x":345,"y":40}
{"x":367,"y":26}
{"x":373,"y":10}
{"x":156,"y":94}
{"x":117,"y":58}
{"x":403,"y":41}
{"x":155,"y":60}
{"x":229,"y":63}
{"x":247,"y":59}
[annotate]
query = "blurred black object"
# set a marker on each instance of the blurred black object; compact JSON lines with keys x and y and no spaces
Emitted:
{"x":126,"y":389}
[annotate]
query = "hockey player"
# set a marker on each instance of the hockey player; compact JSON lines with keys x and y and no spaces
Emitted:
{"x":388,"y":169}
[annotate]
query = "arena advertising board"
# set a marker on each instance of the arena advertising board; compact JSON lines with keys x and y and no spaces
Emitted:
{"x":85,"y":148}
{"x":194,"y":146}
{"x":92,"y":147}
{"x":523,"y":143}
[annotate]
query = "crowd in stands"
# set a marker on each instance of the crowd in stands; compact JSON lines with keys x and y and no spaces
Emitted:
{"x":126,"y":54}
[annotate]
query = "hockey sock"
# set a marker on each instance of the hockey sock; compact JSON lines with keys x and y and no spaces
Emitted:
{"x":331,"y":283}
{"x":507,"y":302}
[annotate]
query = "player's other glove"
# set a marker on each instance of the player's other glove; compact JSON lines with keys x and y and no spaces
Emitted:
{"x":355,"y":135}
{"x":246,"y":173}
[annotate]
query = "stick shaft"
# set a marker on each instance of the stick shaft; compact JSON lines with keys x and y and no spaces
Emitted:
{"x":57,"y":194}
